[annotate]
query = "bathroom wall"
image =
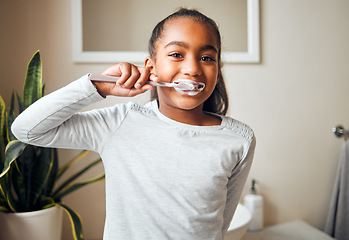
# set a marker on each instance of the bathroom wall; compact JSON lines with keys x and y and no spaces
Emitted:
{"x":292,"y":99}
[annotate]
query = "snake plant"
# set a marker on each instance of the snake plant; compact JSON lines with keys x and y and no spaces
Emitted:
{"x":29,"y":174}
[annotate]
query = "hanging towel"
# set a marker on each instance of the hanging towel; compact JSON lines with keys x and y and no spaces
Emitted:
{"x":337,"y":222}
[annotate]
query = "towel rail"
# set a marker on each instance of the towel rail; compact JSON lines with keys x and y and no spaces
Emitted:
{"x":339,"y":131}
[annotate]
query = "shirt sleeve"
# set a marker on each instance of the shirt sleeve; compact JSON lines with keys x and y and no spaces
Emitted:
{"x":55,"y":120}
{"x":236,"y":184}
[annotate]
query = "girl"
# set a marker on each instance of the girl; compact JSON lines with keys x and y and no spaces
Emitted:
{"x":175,"y":168}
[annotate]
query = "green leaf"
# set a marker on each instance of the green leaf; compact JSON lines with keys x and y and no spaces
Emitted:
{"x":81,"y":155}
{"x":3,"y":191}
{"x":2,"y":197}
{"x":75,"y":220}
{"x":20,"y":104}
{"x":76,"y":175}
{"x":5,"y":183}
{"x":76,"y":186}
{"x":41,"y":171}
{"x":11,"y":118}
{"x":12,"y":151}
{"x":45,"y":202}
{"x":18,"y":184}
{"x":3,"y":129}
{"x":24,"y":163}
{"x":53,"y":175}
{"x":33,"y":84}
{"x":43,"y":90}
{"x":3,"y":208}
{"x":6,"y":138}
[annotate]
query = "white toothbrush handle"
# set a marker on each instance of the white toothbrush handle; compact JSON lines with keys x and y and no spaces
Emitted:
{"x":102,"y":78}
{"x":161,"y":84}
{"x":107,"y":78}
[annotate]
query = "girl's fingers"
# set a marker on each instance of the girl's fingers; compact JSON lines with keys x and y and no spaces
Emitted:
{"x":135,"y":74}
{"x":135,"y":91}
{"x":130,"y":92}
{"x":126,"y":70}
{"x":144,"y":77}
{"x":112,"y":71}
{"x":153,"y":77}
{"x":132,"y":81}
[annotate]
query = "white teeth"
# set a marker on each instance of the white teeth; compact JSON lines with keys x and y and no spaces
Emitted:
{"x":188,"y":87}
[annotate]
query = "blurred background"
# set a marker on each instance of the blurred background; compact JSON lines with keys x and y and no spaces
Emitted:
{"x":292,"y":98}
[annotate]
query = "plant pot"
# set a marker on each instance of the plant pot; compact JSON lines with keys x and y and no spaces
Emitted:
{"x":38,"y":225}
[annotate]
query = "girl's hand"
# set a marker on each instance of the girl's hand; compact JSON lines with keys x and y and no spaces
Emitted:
{"x":133,"y":81}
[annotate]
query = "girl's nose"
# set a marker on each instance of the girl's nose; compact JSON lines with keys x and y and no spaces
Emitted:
{"x":192,"y":67}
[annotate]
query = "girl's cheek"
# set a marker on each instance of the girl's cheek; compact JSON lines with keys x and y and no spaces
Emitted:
{"x":164,"y":74}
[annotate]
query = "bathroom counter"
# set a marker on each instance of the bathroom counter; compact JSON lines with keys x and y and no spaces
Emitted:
{"x":295,"y":230}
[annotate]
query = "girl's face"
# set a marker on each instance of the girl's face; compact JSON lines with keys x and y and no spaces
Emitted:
{"x":188,"y":49}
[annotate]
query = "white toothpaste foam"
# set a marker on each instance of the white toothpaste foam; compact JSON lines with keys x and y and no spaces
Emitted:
{"x":188,"y":87}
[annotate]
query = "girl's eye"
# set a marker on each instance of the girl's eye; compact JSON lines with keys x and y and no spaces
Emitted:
{"x":207,"y":59}
{"x":176,"y":55}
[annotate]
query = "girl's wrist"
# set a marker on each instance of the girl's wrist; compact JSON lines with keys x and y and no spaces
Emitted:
{"x":98,"y":88}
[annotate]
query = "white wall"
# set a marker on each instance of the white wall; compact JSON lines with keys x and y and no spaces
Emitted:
{"x":292,"y":98}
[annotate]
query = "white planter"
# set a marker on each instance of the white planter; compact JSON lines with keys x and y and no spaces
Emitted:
{"x":38,"y":225}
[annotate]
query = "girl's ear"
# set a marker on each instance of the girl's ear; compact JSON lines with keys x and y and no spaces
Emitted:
{"x":148,"y":63}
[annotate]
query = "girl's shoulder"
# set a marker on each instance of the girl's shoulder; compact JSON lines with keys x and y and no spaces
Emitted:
{"x":147,"y":109}
{"x":239,"y":128}
{"x":130,"y":106}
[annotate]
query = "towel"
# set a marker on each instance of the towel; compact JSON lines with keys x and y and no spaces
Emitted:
{"x":337,"y":222}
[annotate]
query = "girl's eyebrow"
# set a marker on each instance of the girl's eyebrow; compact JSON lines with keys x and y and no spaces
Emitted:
{"x":177,"y":43}
{"x":209,"y":47}
{"x":185,"y":45}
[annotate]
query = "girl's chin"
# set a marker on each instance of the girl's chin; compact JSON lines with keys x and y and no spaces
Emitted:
{"x":188,"y":105}
{"x":183,"y":100}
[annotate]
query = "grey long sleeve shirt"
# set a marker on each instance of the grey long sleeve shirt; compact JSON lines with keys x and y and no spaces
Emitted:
{"x":164,"y":179}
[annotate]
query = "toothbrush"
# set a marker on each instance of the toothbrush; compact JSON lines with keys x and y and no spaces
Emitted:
{"x":180,"y":84}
